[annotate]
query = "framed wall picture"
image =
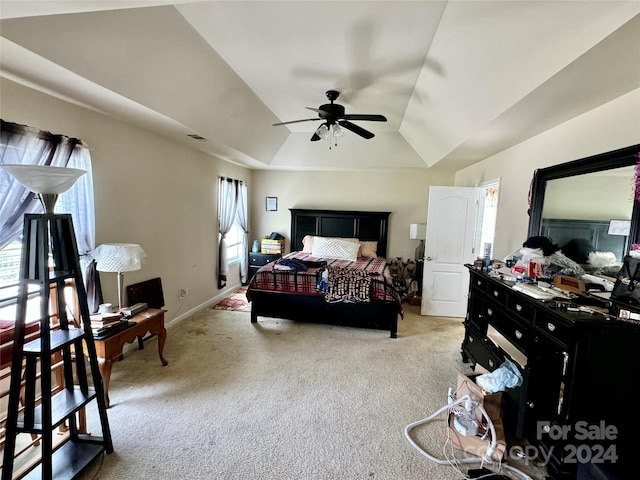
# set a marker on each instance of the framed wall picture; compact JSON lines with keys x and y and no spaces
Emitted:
{"x":272,"y":204}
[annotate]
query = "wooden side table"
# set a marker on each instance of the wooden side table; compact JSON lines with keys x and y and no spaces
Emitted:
{"x":109,"y":349}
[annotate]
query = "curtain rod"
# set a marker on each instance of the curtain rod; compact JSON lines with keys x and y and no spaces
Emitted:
{"x":26,"y":130}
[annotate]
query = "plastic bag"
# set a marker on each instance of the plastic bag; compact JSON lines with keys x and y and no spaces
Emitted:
{"x":502,"y":378}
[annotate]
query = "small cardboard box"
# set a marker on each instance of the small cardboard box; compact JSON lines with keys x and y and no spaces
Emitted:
{"x":477,"y":445}
{"x":490,"y":401}
{"x":271,"y":246}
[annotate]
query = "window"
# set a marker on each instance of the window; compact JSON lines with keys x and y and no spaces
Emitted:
{"x":24,"y":145}
{"x":234,"y":243}
{"x":232,"y":224}
{"x":9,"y":268}
{"x":10,"y":257}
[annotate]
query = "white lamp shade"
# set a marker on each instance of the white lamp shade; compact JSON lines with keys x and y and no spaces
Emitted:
{"x":45,"y":179}
{"x":418,"y":231}
{"x":119,"y":257}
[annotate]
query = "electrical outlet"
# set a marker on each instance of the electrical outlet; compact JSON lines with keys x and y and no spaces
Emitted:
{"x":183,"y":293}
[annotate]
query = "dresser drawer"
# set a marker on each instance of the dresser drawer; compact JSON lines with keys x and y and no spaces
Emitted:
{"x":522,"y":308}
{"x":476,"y":313}
{"x":479,"y":283}
{"x":512,"y":330}
{"x":553,"y":328}
{"x":477,"y":349}
{"x":260,"y":259}
{"x":496,"y":293}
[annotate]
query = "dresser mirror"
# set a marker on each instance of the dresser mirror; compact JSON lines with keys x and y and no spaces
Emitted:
{"x":588,"y":202}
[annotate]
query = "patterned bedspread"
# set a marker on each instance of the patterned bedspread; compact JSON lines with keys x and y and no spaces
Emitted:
{"x":366,"y":279}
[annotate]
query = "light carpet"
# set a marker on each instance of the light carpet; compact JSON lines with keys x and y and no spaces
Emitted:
{"x":282,"y":400}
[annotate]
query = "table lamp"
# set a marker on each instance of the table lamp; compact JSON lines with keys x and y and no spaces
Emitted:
{"x":418,"y":231}
{"x":119,"y":258}
{"x":44,"y":180}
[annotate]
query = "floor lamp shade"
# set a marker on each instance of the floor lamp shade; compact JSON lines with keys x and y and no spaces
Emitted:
{"x":44,"y":180}
{"x":119,"y":258}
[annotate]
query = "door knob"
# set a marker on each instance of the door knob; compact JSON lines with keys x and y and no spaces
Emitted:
{"x":429,"y":259}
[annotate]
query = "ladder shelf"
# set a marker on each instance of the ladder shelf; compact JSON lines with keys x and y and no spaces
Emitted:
{"x":50,"y":261}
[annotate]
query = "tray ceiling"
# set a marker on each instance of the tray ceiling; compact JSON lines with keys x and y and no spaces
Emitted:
{"x":457,"y":80}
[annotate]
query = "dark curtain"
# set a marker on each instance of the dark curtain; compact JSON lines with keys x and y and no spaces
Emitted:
{"x":21,"y":144}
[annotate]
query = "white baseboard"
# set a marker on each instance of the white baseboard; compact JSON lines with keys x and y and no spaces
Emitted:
{"x":206,"y":304}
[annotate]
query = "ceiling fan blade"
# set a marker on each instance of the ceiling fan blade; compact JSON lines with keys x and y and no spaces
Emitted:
{"x":315,"y":137}
{"x":323,"y":113}
{"x":364,"y":116}
{"x":356,"y":129}
{"x":296,"y":121}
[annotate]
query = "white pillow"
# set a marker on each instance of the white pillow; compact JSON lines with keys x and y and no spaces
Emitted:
{"x":337,"y":248}
{"x":307,"y":242}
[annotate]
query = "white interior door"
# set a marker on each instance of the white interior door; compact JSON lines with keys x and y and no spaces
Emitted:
{"x":451,"y":222}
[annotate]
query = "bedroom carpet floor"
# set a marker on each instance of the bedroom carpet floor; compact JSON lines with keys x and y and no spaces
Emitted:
{"x":281,"y":400}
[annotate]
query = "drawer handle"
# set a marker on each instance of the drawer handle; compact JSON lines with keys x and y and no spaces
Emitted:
{"x":479,"y":282}
{"x":518,"y":334}
{"x":518,"y":307}
{"x":531,"y":405}
{"x":489,"y":311}
{"x":551,"y":327}
{"x":470,"y":339}
{"x":496,"y":293}
{"x":491,"y":363}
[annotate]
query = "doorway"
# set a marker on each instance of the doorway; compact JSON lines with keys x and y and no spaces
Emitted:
{"x":487,"y":215}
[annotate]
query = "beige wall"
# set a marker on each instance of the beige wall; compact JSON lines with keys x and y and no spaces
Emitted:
{"x":160,"y":194}
{"x":404,"y":193}
{"x":148,"y":190}
{"x":612,"y":126}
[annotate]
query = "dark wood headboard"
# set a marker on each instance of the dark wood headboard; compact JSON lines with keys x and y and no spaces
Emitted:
{"x":366,"y":226}
{"x":593,"y":232}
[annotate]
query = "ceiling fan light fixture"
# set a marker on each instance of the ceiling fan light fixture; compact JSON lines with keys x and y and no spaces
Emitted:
{"x":323,"y":132}
{"x":336,"y":121}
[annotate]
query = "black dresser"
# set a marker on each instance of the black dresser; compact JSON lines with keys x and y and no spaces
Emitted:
{"x":576,"y":405}
{"x":257,"y":260}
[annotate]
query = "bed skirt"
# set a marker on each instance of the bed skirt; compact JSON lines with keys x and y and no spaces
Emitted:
{"x":378,"y":315}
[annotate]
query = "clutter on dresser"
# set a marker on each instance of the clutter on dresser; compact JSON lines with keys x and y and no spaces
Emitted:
{"x":626,"y":290}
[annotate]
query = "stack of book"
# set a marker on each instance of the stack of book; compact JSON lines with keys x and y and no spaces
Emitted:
{"x":271,"y":246}
{"x":101,"y":323}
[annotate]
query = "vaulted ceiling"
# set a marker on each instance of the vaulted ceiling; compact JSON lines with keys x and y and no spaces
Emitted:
{"x":457,"y":80}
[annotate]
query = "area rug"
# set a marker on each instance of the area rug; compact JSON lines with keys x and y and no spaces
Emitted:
{"x":236,"y":301}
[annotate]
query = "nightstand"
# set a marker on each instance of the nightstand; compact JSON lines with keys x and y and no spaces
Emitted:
{"x":257,"y":260}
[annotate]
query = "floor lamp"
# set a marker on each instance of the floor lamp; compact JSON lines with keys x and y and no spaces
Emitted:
{"x":119,"y":258}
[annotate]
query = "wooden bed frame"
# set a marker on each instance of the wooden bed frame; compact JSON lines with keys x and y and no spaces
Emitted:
{"x":366,"y":226}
